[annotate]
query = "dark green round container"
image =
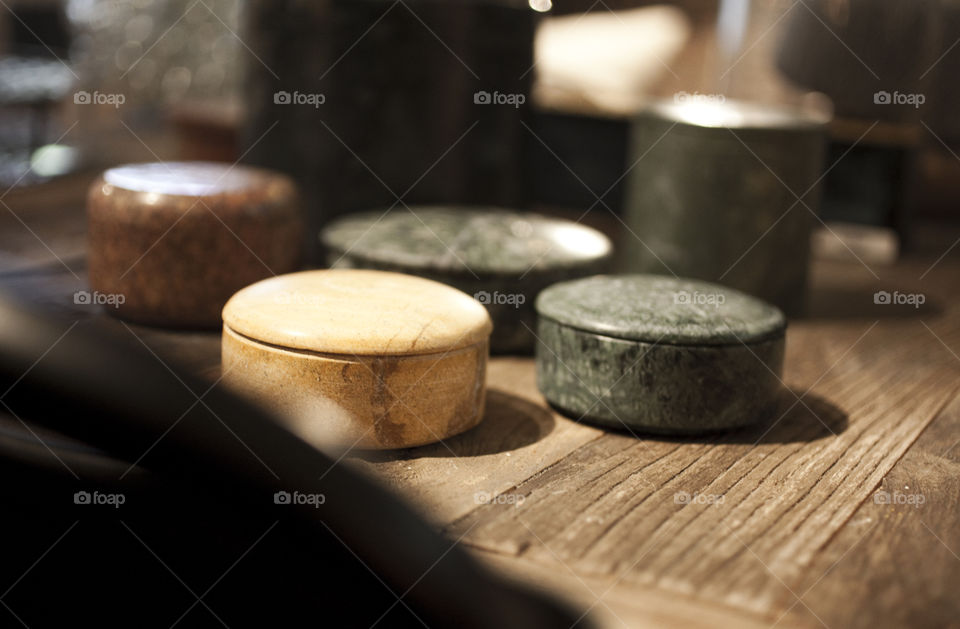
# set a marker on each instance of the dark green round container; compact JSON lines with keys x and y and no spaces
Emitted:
{"x":714,"y":195}
{"x":659,"y":355}
{"x":501,"y":257}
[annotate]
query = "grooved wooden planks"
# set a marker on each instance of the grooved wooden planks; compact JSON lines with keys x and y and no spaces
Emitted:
{"x":897,"y":560}
{"x":678,"y":513}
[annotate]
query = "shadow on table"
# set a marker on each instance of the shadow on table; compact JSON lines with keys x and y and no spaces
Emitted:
{"x":793,"y":421}
{"x":809,"y":419}
{"x":509,"y":422}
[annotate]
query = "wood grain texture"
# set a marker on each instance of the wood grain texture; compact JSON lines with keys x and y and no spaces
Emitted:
{"x":611,"y":602}
{"x":899,"y":559}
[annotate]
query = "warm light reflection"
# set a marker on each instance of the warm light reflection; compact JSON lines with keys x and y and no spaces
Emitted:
{"x":709,"y":114}
{"x":54,"y":160}
{"x":578,"y":241}
{"x":715,"y":111}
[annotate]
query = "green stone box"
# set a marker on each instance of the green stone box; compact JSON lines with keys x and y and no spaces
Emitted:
{"x":502,"y":258}
{"x":659,"y":355}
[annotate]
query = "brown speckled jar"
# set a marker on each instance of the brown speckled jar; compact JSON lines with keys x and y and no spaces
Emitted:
{"x":177,"y":239}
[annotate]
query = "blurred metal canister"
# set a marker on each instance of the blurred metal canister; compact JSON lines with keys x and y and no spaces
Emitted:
{"x":726,"y":191}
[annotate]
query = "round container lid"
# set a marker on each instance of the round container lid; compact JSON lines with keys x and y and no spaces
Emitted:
{"x":654,"y":308}
{"x":475,"y":240}
{"x":197,"y":179}
{"x":357,"y":312}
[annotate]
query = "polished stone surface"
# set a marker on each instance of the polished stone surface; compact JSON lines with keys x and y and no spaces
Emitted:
{"x":477,"y":241}
{"x":726,"y":192}
{"x":176,"y":239}
{"x":659,"y":355}
{"x":656,"y":308}
{"x":502,"y":258}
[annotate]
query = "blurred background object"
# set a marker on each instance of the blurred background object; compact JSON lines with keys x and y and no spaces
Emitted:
{"x":726,"y":191}
{"x":383,"y":108}
{"x":383,"y":104}
{"x":33,"y":81}
{"x":882,"y":68}
{"x":889,"y":164}
{"x":162,"y":63}
{"x":607,"y":62}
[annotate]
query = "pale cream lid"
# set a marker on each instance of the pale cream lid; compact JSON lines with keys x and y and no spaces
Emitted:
{"x":357,"y":312}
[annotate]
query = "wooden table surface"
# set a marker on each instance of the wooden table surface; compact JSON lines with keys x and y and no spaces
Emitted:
{"x":842,"y":511}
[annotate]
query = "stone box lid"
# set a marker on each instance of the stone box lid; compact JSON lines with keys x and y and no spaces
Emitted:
{"x":472,"y":240}
{"x":357,"y":312}
{"x":661,"y":309}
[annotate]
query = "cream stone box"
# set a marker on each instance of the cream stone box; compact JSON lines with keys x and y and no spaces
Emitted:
{"x":359,"y":358}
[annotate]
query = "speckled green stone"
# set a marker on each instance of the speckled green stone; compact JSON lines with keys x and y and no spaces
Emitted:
{"x":503,"y":258}
{"x":659,"y":355}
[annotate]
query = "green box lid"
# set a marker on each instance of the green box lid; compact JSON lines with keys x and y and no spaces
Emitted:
{"x":655,"y":308}
{"x":481,"y":241}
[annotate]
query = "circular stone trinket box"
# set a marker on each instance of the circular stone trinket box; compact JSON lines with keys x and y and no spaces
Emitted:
{"x":502,"y":258}
{"x":358,"y":358}
{"x":173,"y":241}
{"x":659,"y":355}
